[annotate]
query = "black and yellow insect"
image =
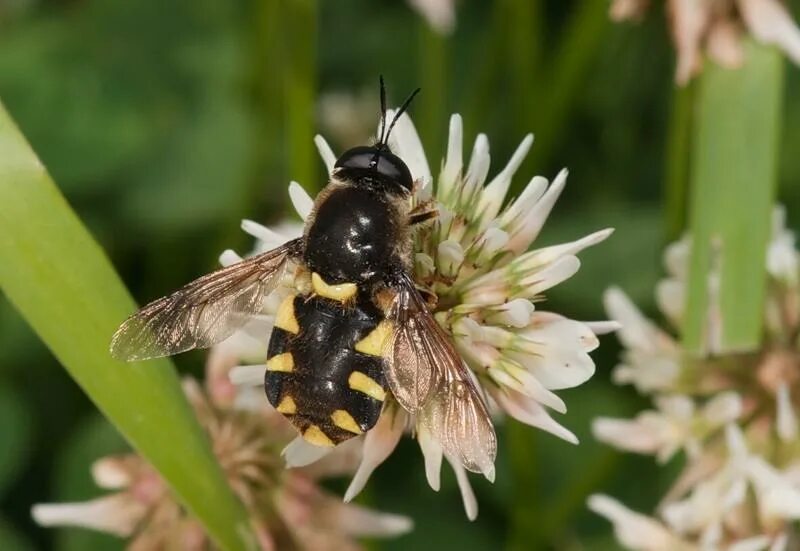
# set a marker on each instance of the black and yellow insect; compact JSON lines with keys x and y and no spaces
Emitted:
{"x":355,"y":332}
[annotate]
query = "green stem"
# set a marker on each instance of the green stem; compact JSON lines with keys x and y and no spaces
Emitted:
{"x":433,"y":81}
{"x":734,"y":173}
{"x":676,"y":173}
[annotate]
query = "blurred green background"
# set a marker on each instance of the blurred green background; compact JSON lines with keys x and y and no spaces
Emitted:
{"x":164,"y":123}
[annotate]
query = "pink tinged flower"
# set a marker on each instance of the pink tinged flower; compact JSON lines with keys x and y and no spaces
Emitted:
{"x":677,"y":424}
{"x":634,"y":530}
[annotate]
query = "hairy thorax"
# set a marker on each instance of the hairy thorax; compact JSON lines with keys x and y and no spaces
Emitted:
{"x":357,"y":234}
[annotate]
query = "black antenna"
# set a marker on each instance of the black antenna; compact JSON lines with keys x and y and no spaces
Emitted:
{"x":400,"y":111}
{"x":383,"y":109}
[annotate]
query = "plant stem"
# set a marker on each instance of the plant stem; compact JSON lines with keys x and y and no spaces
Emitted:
{"x":733,"y":177}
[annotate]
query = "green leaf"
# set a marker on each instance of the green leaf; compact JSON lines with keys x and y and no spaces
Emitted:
{"x":60,"y":280}
{"x":15,"y":427}
{"x":733,"y":179}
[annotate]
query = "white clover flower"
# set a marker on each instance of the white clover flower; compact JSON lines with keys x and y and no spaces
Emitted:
{"x":247,"y":443}
{"x":677,"y":424}
{"x":734,"y":415}
{"x":718,"y":27}
{"x":475,"y":260}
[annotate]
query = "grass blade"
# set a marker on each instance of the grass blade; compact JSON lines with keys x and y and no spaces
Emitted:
{"x":733,"y":181}
{"x":57,"y":276}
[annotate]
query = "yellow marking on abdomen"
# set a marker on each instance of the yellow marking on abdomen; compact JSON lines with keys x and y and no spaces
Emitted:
{"x":285,"y":318}
{"x":314,"y":435}
{"x":344,"y":420}
{"x":362,"y":383}
{"x":282,"y":362}
{"x":287,"y":406}
{"x":341,"y":292}
{"x":375,"y":341}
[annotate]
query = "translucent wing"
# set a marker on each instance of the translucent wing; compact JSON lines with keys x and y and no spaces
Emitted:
{"x":203,"y":312}
{"x":428,"y":377}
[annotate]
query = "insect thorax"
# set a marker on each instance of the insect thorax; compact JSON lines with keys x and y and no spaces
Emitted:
{"x":357,"y":234}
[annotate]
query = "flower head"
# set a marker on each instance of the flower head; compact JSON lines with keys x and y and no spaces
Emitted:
{"x":734,"y":415}
{"x":474,"y":263}
{"x":247,"y":441}
{"x":718,"y":27}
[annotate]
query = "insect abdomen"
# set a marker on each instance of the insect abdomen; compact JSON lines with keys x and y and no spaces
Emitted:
{"x":324,"y":369}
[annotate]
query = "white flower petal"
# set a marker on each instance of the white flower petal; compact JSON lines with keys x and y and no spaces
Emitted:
{"x":556,"y":353}
{"x":514,"y":313}
{"x":723,"y":408}
{"x":735,"y":440}
{"x":300,"y":453}
{"x":550,"y":276}
{"x":547,"y":255}
{"x":628,"y":435}
{"x":117,"y":514}
{"x":111,"y":473}
{"x":432,"y":453}
{"x":518,"y":379}
{"x":247,"y":375}
{"x":440,"y":14}
{"x":771,"y":22}
{"x":302,"y":201}
{"x":528,"y":411}
{"x":379,"y":443}
{"x":495,"y":192}
{"x":757,"y":543}
{"x":786,"y":421}
{"x":634,"y":530}
{"x":361,"y":522}
{"x":229,"y":257}
{"x":270,"y":239}
{"x":449,"y":258}
{"x":527,"y":229}
{"x":325,"y":151}
{"x":467,"y":495}
{"x":453,"y":162}
{"x":603,"y":327}
{"x":637,"y":331}
{"x":670,"y":297}
{"x":781,"y":543}
{"x":518,"y":209}
{"x":404,"y":142}
{"x":477,"y":170}
{"x":782,"y":502}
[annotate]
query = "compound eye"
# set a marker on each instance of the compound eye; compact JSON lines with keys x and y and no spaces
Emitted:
{"x":366,"y":159}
